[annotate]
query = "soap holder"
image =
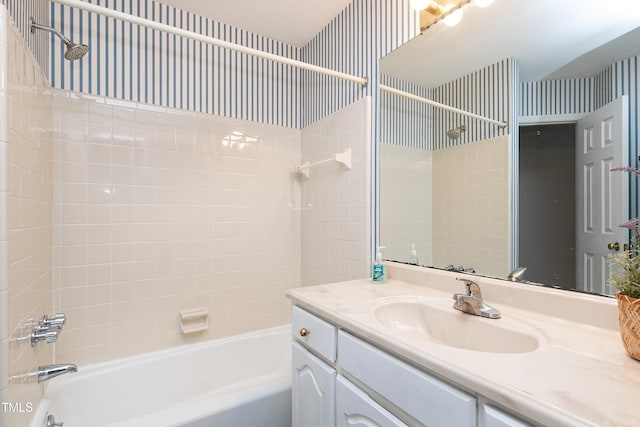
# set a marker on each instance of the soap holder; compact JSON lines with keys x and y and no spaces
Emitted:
{"x":194,"y":320}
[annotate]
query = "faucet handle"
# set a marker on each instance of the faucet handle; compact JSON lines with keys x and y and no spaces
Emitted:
{"x":57,"y":321}
{"x":473,"y":289}
{"x":49,"y":335}
{"x":51,"y":422}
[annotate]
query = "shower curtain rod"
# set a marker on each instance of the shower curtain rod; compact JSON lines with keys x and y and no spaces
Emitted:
{"x":206,"y":39}
{"x":439,"y":105}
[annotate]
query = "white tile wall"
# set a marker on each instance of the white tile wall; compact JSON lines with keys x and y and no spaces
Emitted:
{"x":159,"y":210}
{"x":25,"y":221}
{"x":336,"y":202}
{"x":406,"y":194}
{"x":471,"y":206}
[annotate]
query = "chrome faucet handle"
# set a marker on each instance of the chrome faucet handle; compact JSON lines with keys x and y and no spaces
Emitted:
{"x":51,"y":422}
{"x":57,"y":321}
{"x":48,"y":334}
{"x":473,"y":290}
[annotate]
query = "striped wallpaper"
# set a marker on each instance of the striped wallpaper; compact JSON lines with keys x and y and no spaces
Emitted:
{"x":404,"y":121}
{"x":353,"y":42}
{"x":20,"y":11}
{"x":490,"y":92}
{"x":138,"y":64}
{"x":134,"y":63}
{"x":550,"y":97}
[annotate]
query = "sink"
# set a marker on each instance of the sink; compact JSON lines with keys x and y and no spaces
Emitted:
{"x":437,"y":321}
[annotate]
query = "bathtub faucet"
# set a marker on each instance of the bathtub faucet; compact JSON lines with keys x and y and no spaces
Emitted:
{"x":47,"y":372}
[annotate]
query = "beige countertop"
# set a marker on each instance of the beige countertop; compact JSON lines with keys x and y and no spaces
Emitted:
{"x":579,"y":375}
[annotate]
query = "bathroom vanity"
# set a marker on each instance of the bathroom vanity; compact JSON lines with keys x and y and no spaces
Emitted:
{"x":399,"y":354}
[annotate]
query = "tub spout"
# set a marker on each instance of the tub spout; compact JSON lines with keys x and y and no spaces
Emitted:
{"x":47,"y":372}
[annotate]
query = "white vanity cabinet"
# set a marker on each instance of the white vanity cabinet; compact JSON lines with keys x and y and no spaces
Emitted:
{"x":342,"y":380}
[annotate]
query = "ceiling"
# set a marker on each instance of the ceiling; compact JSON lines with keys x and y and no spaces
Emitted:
{"x":550,"y":38}
{"x":291,"y":21}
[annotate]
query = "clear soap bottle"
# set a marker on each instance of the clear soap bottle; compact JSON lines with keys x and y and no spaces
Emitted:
{"x":413,"y":259}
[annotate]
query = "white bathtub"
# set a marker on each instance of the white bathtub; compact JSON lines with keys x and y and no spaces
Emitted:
{"x":239,"y":381}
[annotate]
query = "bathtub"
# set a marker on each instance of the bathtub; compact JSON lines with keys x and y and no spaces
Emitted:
{"x":239,"y":381}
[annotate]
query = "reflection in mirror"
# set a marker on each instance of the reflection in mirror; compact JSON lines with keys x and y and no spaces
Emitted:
{"x":473,"y":196}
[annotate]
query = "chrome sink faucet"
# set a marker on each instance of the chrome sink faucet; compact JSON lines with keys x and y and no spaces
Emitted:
{"x":472,"y":302}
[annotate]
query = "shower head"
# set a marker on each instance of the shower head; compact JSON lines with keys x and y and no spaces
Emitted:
{"x":455,"y":133}
{"x":74,"y":51}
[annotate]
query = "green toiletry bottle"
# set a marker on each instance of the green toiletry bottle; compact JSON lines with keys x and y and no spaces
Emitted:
{"x":379,"y":270}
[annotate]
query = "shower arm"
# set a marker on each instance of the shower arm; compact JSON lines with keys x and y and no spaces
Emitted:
{"x":34,"y":25}
{"x":363,"y":81}
{"x":393,"y":90}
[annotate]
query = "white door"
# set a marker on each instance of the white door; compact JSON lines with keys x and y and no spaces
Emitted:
{"x":602,"y":196}
{"x":313,"y":390}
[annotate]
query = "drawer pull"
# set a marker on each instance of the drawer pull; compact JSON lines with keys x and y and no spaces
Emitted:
{"x":304,"y":332}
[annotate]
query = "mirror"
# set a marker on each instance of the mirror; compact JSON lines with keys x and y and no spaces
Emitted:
{"x":464,"y":194}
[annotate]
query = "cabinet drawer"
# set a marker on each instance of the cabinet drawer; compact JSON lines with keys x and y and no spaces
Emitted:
{"x":493,"y":417}
{"x":355,"y":409}
{"x":429,"y":400}
{"x":318,"y":335}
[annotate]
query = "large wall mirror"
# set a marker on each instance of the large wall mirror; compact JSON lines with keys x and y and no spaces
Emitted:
{"x":465,"y":194}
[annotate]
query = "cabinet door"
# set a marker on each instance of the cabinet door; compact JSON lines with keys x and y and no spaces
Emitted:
{"x":313,"y":388}
{"x":355,"y":409}
{"x":492,"y":417}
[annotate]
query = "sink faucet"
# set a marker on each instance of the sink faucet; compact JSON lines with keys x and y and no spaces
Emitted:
{"x":472,"y":302}
{"x":47,"y":372}
{"x":517,"y":275}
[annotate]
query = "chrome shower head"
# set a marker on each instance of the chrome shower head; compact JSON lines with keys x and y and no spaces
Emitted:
{"x":74,"y":51}
{"x":455,"y":133}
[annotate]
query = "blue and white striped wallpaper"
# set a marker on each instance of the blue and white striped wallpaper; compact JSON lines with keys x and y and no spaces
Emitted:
{"x":353,"y":42}
{"x":490,"y":92}
{"x":404,"y":121}
{"x":138,"y":64}
{"x":20,"y":11}
{"x":130,"y":62}
{"x":551,"y":97}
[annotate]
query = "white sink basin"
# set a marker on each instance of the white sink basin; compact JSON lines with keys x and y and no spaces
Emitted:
{"x":437,"y":321}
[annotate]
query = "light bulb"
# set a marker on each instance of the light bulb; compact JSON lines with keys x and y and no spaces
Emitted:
{"x":453,"y":19}
{"x":420,"y":4}
{"x":483,"y":3}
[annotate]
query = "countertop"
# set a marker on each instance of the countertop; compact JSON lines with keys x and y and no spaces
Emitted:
{"x":579,"y":375}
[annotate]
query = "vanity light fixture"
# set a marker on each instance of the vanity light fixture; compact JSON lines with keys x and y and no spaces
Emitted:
{"x":432,"y":11}
{"x":450,"y":13}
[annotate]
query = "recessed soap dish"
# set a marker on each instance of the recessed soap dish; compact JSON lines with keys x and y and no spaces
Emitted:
{"x":194,"y":320}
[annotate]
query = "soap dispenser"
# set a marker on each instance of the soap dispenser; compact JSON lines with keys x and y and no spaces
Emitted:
{"x":413,"y":259}
{"x":379,"y":270}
